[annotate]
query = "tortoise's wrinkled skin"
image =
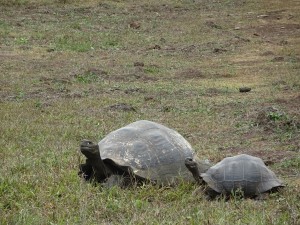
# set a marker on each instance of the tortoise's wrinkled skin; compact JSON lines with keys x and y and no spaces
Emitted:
{"x":244,"y":173}
{"x":140,"y":151}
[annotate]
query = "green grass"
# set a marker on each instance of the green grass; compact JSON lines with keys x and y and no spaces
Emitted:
{"x":64,"y":63}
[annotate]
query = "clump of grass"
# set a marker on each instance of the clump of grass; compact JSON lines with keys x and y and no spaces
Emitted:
{"x":110,"y":44}
{"x":72,"y":43}
{"x":87,"y":77}
{"x":291,"y":163}
{"x":91,"y":76}
{"x":13,"y":2}
{"x":4,"y":29}
{"x":21,"y":40}
{"x":152,"y":69}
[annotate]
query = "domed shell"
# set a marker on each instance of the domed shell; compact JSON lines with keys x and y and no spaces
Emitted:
{"x":151,"y":150}
{"x":246,"y":172}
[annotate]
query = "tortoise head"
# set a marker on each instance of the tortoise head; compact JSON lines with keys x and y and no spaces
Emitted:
{"x":193,"y":167}
{"x":89,"y":149}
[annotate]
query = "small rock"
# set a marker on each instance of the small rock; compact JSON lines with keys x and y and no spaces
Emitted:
{"x":148,"y":98}
{"x":269,"y":162}
{"x":244,"y":89}
{"x":278,"y":59}
{"x":212,"y":25}
{"x":219,"y":50}
{"x":163,"y":40}
{"x":156,"y":47}
{"x":141,"y":64}
{"x":122,"y":107}
{"x":262,"y":16}
{"x":283,"y":42}
{"x":135,"y":25}
{"x":50,"y":50}
{"x":290,"y":16}
{"x":132,"y":90}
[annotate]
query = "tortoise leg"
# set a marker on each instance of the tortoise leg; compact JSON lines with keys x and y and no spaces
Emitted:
{"x":86,"y":171}
{"x":193,"y":168}
{"x":208,"y":193}
{"x":211,"y":194}
{"x":92,"y":153}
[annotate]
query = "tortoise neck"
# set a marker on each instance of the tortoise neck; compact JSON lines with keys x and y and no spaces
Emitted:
{"x":101,"y":170}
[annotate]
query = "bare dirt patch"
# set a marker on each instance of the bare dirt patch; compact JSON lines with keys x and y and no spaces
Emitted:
{"x":291,"y":104}
{"x":193,"y":73}
{"x":122,"y":107}
{"x":96,"y":74}
{"x":278,"y":30}
{"x":190,"y":74}
{"x":276,"y":15}
{"x":214,"y":91}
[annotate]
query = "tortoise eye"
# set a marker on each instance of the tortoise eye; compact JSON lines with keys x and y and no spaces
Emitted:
{"x":86,"y":142}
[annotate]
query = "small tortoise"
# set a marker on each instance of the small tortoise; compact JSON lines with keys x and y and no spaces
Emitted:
{"x":142,"y":151}
{"x":244,"y":173}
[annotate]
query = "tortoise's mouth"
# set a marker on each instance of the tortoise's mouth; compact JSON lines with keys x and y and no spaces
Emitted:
{"x":86,"y":148}
{"x":89,"y":151}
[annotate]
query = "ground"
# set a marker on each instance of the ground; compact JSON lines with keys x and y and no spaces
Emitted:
{"x":73,"y":70}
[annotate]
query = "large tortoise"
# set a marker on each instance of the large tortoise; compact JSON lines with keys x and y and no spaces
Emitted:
{"x":244,"y":173}
{"x":141,"y":151}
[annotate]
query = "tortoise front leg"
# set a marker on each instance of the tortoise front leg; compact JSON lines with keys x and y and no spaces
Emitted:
{"x":193,"y":168}
{"x":86,"y":171}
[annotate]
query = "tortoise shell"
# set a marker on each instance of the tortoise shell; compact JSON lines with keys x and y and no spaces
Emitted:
{"x":150,"y":150}
{"x":244,"y":172}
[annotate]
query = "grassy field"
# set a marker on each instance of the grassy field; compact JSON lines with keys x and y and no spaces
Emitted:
{"x":71,"y":70}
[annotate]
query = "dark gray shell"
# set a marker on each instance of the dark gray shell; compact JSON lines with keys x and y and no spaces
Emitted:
{"x":151,"y":150}
{"x":246,"y":172}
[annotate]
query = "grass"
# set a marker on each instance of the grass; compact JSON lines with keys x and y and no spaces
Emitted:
{"x":64,"y":63}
